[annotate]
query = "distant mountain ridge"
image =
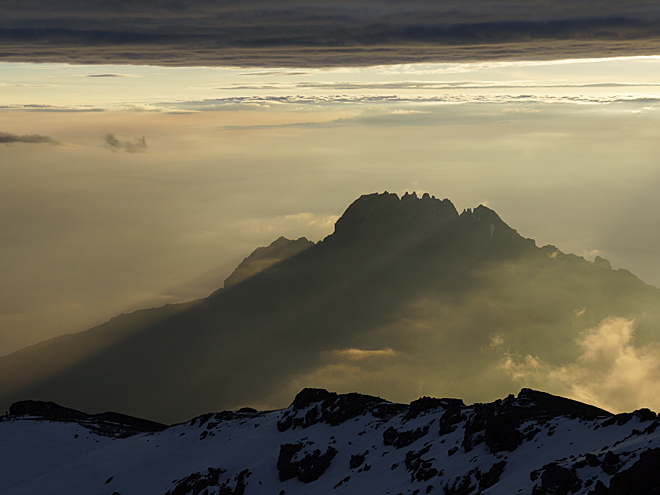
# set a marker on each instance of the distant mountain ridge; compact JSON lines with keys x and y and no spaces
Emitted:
{"x":263,"y":258}
{"x":324,"y":442}
{"x":406,"y":295}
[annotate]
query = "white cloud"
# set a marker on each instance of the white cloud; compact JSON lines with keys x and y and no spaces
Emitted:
{"x":460,"y":68}
{"x":610,"y":372}
{"x":311,"y":220}
{"x":304,"y":224}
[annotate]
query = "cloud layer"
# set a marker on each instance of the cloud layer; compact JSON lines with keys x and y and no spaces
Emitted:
{"x":328,"y":33}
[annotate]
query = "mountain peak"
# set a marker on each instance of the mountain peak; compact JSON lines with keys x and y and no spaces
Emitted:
{"x":483,"y":214}
{"x":375,"y":215}
{"x":557,"y":404}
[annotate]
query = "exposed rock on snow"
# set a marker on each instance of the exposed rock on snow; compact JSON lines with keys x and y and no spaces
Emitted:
{"x":324,"y":443}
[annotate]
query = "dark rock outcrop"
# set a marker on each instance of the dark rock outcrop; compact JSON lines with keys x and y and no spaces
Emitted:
{"x":420,"y":469}
{"x":333,"y":409}
{"x":642,"y":478}
{"x":285,"y":465}
{"x":450,"y":419}
{"x":308,"y":468}
{"x":611,"y":463}
{"x":557,"y":480}
{"x":497,"y":424}
{"x":475,"y":481}
{"x":642,"y":415}
{"x":400,"y":439}
{"x":198,"y":483}
{"x":308,"y":396}
{"x":463,"y":485}
{"x":356,"y":461}
{"x":553,"y":405}
{"x":492,"y":476}
{"x":425,"y":404}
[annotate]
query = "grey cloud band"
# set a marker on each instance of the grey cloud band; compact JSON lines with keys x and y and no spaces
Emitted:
{"x":321,"y":33}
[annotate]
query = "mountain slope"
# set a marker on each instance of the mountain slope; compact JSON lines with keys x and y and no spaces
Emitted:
{"x":265,"y":257}
{"x":406,"y":297}
{"x":325,"y":443}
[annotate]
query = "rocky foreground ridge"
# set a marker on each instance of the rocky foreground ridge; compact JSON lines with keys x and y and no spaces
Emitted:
{"x":327,"y":443}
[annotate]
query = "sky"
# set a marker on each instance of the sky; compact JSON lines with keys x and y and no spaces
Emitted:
{"x":147,"y":147}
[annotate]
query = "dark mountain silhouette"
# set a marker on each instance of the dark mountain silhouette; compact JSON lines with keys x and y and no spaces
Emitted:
{"x":406,"y":293}
{"x":108,"y":423}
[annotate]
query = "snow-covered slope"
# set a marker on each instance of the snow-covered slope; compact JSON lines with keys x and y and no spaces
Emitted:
{"x":326,"y":443}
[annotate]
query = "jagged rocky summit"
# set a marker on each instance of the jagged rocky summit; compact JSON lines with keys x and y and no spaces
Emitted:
{"x":324,"y":443}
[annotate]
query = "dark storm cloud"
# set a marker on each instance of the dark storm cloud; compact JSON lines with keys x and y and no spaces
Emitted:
{"x":138,"y":145}
{"x":6,"y":138}
{"x":329,"y":33}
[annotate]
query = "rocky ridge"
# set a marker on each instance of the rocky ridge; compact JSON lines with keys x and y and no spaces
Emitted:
{"x":535,"y":443}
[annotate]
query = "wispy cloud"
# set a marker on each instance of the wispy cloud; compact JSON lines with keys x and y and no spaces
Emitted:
{"x":111,"y":75}
{"x":266,"y":102}
{"x":276,"y":73}
{"x":429,"y":85}
{"x":359,"y":354}
{"x":134,"y":107}
{"x":52,"y":108}
{"x":7,"y":138}
{"x":392,"y":103}
{"x":292,"y":225}
{"x":5,"y":85}
{"x":138,"y":145}
{"x":462,"y":68}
